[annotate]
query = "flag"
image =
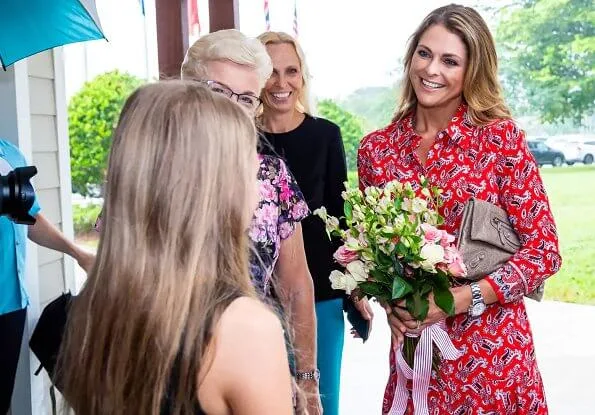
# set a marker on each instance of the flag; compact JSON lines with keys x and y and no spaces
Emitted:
{"x":193,"y":22}
{"x":295,"y":19}
{"x":267,"y":16}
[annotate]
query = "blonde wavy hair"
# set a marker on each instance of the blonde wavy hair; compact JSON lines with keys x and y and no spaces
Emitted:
{"x":304,"y":102}
{"x":231,"y":45}
{"x":481,"y":87}
{"x":173,"y":252}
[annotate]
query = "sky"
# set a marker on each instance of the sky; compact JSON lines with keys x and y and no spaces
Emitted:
{"x":348,"y":44}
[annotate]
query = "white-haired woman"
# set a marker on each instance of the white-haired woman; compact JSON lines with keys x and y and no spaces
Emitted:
{"x":236,"y":66}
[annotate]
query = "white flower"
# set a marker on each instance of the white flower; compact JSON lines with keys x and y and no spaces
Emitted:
{"x":432,"y":255}
{"x":353,"y":244}
{"x":358,"y":270}
{"x":321,"y":213}
{"x":340,"y":281}
{"x":418,"y":205}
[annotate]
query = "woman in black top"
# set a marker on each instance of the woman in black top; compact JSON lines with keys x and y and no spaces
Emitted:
{"x":313,"y":150}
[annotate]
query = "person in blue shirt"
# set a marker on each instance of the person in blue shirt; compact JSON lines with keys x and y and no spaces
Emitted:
{"x":13,"y":296}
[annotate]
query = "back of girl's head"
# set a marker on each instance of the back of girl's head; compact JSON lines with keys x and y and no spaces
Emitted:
{"x":173,"y":250}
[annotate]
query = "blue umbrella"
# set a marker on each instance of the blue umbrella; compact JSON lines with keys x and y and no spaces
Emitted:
{"x":31,"y":26}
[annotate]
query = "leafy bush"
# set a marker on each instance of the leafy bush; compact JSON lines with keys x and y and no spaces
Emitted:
{"x":92,"y":116}
{"x":84,"y":218}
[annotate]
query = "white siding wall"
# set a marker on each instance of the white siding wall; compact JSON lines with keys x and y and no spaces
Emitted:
{"x":44,"y":138}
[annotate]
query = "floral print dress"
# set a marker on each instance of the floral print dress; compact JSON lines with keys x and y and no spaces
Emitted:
{"x":281,"y":207}
{"x":497,"y":373}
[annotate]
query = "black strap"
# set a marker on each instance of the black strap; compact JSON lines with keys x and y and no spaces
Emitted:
{"x":53,"y":399}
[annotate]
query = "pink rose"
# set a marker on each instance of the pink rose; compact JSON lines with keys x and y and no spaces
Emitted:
{"x":446,"y":239}
{"x":431,"y":233}
{"x":451,"y":254}
{"x":457,"y":268}
{"x":345,"y":256}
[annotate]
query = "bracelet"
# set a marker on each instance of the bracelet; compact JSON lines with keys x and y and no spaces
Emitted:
{"x":312,"y":375}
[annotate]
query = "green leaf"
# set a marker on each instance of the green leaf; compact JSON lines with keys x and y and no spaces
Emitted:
{"x":373,"y":289}
{"x":348,"y":209}
{"x":400,"y":288}
{"x":398,"y":266}
{"x":418,"y":306}
{"x":445,"y":300}
{"x":381,"y":277}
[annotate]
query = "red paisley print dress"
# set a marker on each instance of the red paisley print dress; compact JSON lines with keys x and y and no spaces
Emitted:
{"x":497,"y":373}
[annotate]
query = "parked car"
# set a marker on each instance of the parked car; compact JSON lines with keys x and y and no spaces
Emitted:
{"x":568,"y":145}
{"x":544,"y":154}
{"x":586,"y":151}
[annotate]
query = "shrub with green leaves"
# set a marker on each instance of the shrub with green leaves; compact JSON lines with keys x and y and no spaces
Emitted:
{"x":92,"y":117}
{"x":84,"y":217}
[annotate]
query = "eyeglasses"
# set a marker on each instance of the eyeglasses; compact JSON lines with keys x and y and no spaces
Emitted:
{"x":248,"y":100}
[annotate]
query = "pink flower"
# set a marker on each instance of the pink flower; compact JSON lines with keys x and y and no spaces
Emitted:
{"x":431,"y":234}
{"x":267,"y":190}
{"x":451,"y":254}
{"x":285,"y":192}
{"x":285,"y":230}
{"x":457,"y":268}
{"x":446,"y":239}
{"x":299,"y":210}
{"x":344,"y":256}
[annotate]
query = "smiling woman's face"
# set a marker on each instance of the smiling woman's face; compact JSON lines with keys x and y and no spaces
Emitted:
{"x":438,"y":67}
{"x":282,"y":90}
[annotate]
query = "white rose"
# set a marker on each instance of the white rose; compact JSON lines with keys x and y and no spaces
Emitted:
{"x":418,"y":205}
{"x":338,"y":280}
{"x":358,"y":270}
{"x":350,"y":283}
{"x":432,"y":255}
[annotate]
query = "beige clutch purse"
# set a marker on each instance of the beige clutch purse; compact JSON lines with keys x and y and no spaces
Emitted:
{"x":487,"y":240}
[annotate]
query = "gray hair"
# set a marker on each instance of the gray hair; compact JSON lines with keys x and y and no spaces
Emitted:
{"x":231,"y":45}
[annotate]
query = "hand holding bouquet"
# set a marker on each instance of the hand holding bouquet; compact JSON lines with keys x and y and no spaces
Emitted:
{"x":394,"y":251}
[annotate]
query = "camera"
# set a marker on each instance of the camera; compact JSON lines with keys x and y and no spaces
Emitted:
{"x":17,"y":195}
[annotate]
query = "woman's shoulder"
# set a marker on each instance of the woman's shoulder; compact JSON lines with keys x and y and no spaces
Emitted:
{"x":272,"y":166}
{"x":380,"y":136}
{"x":321,"y":126}
{"x":503,"y":134}
{"x":249,"y":322}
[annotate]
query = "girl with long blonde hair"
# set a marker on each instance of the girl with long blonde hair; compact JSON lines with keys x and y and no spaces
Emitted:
{"x":156,"y":328}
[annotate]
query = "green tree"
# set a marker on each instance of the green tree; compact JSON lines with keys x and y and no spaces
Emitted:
{"x":351,"y":128}
{"x":375,"y":105}
{"x":547,"y":52}
{"x":92,"y":116}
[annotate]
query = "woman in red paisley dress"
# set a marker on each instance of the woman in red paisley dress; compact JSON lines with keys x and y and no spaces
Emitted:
{"x":453,"y":127}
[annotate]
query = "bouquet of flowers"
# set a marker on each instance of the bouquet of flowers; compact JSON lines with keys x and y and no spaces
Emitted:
{"x":392,"y":251}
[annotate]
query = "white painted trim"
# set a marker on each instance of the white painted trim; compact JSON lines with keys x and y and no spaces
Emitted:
{"x":64,"y":163}
{"x":26,"y":382}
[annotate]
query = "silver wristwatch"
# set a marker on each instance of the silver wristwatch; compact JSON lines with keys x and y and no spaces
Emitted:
{"x":478,"y":306}
{"x":312,"y":375}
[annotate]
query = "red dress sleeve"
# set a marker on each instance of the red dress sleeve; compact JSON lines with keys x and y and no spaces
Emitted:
{"x":523,"y":196}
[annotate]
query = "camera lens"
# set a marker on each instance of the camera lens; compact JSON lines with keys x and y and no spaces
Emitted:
{"x":17,"y":195}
